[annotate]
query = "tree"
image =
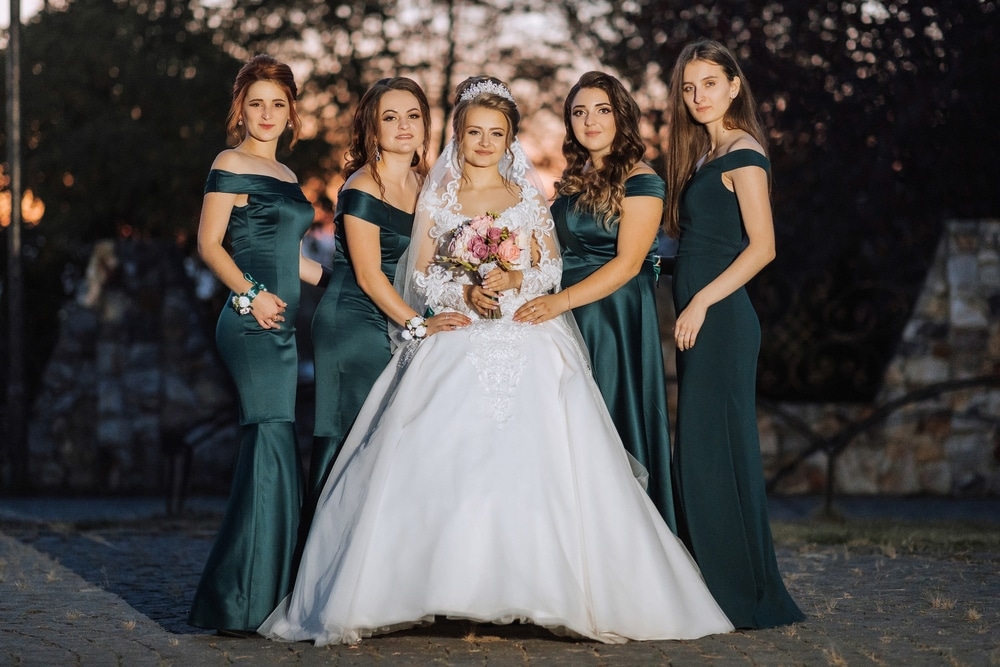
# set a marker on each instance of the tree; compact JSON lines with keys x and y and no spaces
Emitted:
{"x":348,"y":44}
{"x":878,"y":112}
{"x":123,"y":109}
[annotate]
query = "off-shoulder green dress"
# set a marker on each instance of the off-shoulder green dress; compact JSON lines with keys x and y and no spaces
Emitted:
{"x":722,"y":506}
{"x":250,"y":567}
{"x":350,"y":333}
{"x":622,"y":333}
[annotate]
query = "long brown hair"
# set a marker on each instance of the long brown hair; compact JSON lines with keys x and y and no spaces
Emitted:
{"x":602,"y":190}
{"x":487,"y":100}
{"x":364,"y":148}
{"x":261,"y":67}
{"x":689,"y":140}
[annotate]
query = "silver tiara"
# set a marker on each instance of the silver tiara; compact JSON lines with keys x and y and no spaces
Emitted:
{"x":484,"y":87}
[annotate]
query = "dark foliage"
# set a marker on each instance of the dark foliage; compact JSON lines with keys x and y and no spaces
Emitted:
{"x":123,"y":110}
{"x":881,"y":128}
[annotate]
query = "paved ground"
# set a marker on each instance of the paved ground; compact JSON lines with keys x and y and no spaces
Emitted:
{"x":108,"y":582}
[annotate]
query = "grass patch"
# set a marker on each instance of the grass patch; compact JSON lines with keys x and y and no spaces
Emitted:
{"x":934,"y":538}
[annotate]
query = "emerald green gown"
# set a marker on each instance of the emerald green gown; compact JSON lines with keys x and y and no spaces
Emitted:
{"x":722,"y":506}
{"x":250,"y":567}
{"x":622,"y":333}
{"x":350,"y":333}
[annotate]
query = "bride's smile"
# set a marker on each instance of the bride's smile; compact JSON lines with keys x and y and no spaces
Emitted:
{"x":485,"y":138}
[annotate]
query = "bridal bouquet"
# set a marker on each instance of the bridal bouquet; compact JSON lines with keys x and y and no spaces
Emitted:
{"x":480,"y":245}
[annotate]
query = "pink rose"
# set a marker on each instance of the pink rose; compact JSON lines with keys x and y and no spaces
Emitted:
{"x":494,"y":233}
{"x":508,"y":251}
{"x":478,"y":248}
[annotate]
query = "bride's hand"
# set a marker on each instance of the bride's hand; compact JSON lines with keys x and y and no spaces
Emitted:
{"x":446,"y":322}
{"x":499,"y":280}
{"x":542,"y":309}
{"x":482,"y":300}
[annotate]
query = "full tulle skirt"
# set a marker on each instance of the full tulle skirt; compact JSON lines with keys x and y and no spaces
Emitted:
{"x":484,"y":480}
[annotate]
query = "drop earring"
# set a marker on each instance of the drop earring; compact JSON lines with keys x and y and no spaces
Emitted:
{"x":378,"y":154}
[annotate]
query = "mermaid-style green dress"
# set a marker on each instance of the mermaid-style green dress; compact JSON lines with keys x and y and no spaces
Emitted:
{"x":722,"y":506}
{"x":250,"y":567}
{"x":350,"y":333}
{"x":622,"y":333}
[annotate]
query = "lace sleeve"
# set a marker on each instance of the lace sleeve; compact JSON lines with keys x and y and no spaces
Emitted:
{"x":544,"y":275}
{"x":441,"y":289}
{"x":437,"y":286}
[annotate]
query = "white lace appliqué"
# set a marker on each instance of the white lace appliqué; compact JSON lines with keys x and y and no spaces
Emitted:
{"x":497,"y":345}
{"x":496,"y":354}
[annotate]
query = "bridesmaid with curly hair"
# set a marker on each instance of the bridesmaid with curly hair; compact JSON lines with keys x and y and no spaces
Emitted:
{"x":607,"y":212}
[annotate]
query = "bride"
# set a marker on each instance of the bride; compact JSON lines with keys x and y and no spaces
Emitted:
{"x":483,"y":478}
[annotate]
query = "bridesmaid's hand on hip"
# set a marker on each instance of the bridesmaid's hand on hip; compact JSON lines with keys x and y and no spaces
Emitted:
{"x":268,"y":309}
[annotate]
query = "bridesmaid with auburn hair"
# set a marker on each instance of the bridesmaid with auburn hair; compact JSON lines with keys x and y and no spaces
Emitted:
{"x":257,"y":201}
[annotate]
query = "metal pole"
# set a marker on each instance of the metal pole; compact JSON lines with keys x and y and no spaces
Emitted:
{"x":16,"y":439}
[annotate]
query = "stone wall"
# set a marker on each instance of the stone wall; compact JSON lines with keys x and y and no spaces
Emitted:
{"x":134,"y":379}
{"x":948,"y":444}
{"x":133,"y":382}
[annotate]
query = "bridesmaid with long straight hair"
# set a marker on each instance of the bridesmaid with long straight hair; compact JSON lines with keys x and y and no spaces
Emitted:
{"x":386,"y":167}
{"x":607,"y":213}
{"x":718,"y":178}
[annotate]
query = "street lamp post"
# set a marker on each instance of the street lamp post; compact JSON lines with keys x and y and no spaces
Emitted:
{"x":16,"y":437}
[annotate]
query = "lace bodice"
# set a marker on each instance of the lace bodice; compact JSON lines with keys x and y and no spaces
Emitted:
{"x":540,"y":262}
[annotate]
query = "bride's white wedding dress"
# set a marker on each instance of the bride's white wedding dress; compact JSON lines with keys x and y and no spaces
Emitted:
{"x":484,"y":480}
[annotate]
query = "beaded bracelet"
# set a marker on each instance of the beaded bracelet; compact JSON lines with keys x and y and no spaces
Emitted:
{"x":241,"y":302}
{"x":416,"y":328}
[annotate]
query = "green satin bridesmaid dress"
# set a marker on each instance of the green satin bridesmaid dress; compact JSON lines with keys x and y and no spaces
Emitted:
{"x":622,"y":333}
{"x":722,"y":505}
{"x":350,"y":333}
{"x":250,"y":567}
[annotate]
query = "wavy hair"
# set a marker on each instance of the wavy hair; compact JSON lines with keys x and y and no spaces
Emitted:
{"x":486,"y":100}
{"x":364,"y":148}
{"x":689,"y":140}
{"x":261,"y":67}
{"x":602,"y":190}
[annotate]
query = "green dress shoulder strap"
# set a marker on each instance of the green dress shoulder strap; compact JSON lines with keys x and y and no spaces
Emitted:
{"x":369,"y":208}
{"x":220,"y":180}
{"x":742,"y":157}
{"x":645,"y":185}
